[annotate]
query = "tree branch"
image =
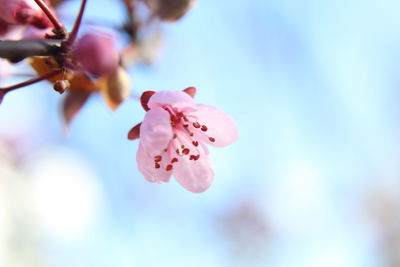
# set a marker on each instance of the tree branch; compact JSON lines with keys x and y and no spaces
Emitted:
{"x":16,"y":51}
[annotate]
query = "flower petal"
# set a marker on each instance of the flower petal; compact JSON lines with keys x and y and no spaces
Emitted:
{"x":194,"y":175}
{"x":155,"y":131}
{"x":175,"y":99}
{"x":144,"y":99}
{"x":190,"y":91}
{"x":220,"y":125}
{"x":134,"y":133}
{"x":145,"y":163}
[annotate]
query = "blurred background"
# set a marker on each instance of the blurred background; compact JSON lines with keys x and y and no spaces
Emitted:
{"x":313,"y":180}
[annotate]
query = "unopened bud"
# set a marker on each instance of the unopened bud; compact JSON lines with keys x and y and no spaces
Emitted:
{"x":97,"y":53}
{"x":61,"y":86}
{"x":170,"y":10}
{"x":117,"y":88}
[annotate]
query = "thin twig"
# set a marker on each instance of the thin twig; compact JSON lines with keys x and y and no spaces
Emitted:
{"x":50,"y":15}
{"x":4,"y":91}
{"x":74,"y":32}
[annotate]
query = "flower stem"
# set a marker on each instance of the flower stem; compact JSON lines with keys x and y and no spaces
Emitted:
{"x":4,"y":91}
{"x":74,"y":32}
{"x":50,"y":15}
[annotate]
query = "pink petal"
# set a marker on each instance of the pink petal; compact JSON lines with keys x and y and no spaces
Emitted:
{"x":176,"y":99}
{"x":155,"y":131}
{"x":220,"y":126}
{"x":195,"y":176}
{"x":145,"y":163}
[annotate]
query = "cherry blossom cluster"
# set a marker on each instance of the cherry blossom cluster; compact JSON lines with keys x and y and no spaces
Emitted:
{"x":175,"y":130}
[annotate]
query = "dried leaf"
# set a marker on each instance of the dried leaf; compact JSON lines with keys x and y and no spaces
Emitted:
{"x":115,"y":88}
{"x":72,"y":104}
{"x":78,"y":81}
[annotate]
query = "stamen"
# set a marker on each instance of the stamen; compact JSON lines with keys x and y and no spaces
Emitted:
{"x":194,"y":157}
{"x":157,"y":165}
{"x":212,"y":139}
{"x":186,"y":151}
{"x":169,"y":167}
{"x":174,"y":160}
{"x":157,"y":158}
{"x":195,"y":143}
{"x":196,"y":125}
{"x":204,"y":128}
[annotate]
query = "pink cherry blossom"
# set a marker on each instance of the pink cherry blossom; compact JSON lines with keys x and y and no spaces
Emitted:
{"x":173,"y":138}
{"x":96,"y":52}
{"x":21,"y":12}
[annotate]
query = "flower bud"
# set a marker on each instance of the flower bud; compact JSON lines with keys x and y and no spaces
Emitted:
{"x":117,"y":88}
{"x":96,"y":53}
{"x":170,"y":10}
{"x":61,"y":86}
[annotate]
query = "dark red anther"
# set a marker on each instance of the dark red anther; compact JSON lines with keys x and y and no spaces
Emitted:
{"x":196,"y":157}
{"x":204,"y":128}
{"x":174,"y":160}
{"x":169,"y":167}
{"x":195,"y":143}
{"x":186,"y":151}
{"x":196,"y":125}
{"x":191,"y":157}
{"x":157,"y":158}
{"x":156,"y":165}
{"x":212,"y":139}
{"x":144,"y":99}
{"x":175,"y":119}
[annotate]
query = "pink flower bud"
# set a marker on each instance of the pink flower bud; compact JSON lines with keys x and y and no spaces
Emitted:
{"x":96,"y":53}
{"x":22,"y":12}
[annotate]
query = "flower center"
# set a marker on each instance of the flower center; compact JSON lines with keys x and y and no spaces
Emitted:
{"x":186,"y":129}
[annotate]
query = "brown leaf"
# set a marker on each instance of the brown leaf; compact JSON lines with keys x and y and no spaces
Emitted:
{"x":78,"y":81}
{"x":115,"y":88}
{"x":72,"y":104}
